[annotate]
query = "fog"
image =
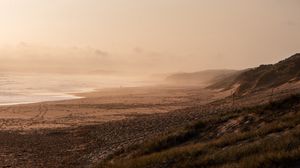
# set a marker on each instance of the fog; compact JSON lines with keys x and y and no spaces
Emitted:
{"x":29,"y":58}
{"x":145,"y":37}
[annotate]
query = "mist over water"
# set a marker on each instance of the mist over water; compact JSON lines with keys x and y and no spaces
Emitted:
{"x":18,"y":88}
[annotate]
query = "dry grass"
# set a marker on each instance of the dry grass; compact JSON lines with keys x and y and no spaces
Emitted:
{"x":273,"y":140}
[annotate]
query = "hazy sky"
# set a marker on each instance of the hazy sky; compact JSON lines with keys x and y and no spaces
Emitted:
{"x":150,"y":35}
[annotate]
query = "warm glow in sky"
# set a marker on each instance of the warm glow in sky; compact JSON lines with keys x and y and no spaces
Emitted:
{"x":151,"y":35}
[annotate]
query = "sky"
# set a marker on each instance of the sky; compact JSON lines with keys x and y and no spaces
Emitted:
{"x":146,"y":36}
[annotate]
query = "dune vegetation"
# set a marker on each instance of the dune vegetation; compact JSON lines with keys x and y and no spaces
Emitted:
{"x":261,"y":136}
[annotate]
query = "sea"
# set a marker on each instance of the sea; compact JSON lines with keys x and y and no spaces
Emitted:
{"x":23,"y":88}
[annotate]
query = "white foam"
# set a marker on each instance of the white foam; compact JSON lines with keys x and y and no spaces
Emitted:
{"x":33,"y":88}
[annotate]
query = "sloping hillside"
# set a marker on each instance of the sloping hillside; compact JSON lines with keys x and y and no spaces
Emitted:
{"x":199,"y":78}
{"x":238,"y":138}
{"x":264,"y":76}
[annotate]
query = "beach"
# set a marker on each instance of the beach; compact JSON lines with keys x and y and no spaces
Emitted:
{"x":82,"y":132}
{"x":100,"y":106}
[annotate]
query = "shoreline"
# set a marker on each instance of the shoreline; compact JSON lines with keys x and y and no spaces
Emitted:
{"x":51,"y":97}
{"x":130,"y":116}
{"x":99,"y":106}
{"x":111,"y":104}
{"x":41,"y":101}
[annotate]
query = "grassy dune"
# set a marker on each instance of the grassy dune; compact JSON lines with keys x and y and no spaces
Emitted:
{"x":260,"y":136}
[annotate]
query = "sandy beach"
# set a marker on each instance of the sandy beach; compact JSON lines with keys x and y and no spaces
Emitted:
{"x":149,"y":84}
{"x":101,"y":106}
{"x":84,"y":132}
